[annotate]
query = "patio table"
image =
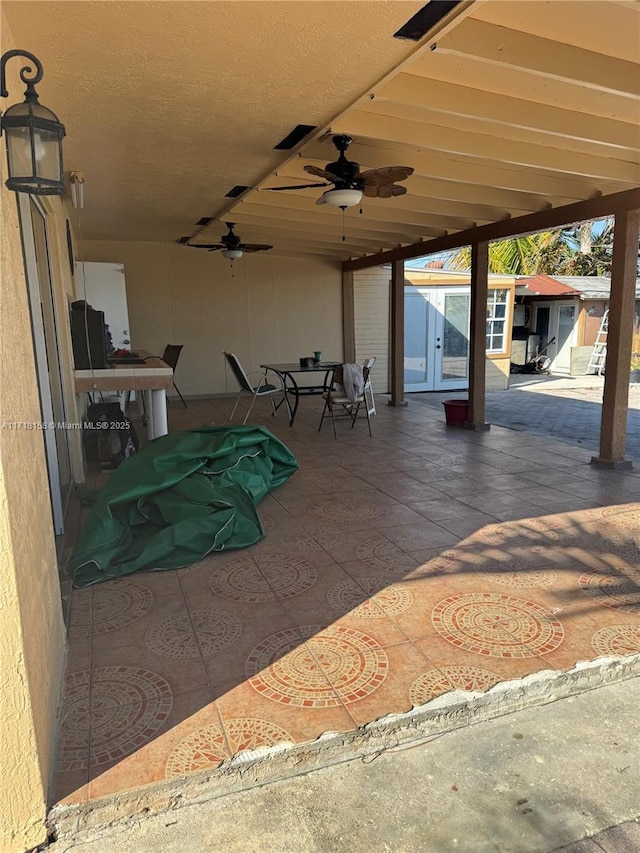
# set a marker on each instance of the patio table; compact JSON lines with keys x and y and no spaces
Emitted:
{"x":287,"y":373}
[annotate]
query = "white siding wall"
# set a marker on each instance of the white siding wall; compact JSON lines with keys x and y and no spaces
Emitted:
{"x":371,"y":297}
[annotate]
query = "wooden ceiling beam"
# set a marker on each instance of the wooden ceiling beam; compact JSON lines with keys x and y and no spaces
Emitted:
{"x":594,"y":208}
{"x":360,"y":123}
{"x":558,"y":23}
{"x":393,"y":233}
{"x":513,"y":82}
{"x":475,"y":173}
{"x":505,"y":134}
{"x":450,"y":99}
{"x":509,"y":48}
{"x":452,"y":191}
{"x":407,"y":208}
{"x":374,"y":216}
{"x":446,"y":213}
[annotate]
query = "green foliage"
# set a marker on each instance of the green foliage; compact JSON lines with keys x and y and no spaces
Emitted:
{"x":576,"y":250}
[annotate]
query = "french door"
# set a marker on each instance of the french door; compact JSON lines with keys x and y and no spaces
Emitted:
{"x":436,"y":336}
{"x":44,"y":324}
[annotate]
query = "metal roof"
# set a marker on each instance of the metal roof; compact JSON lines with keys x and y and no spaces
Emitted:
{"x":587,"y":287}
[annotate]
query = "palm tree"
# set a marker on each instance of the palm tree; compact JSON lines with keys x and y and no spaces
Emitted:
{"x":515,"y":256}
{"x":580,"y":249}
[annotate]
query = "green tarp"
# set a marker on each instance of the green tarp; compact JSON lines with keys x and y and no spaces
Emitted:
{"x":185,"y":495}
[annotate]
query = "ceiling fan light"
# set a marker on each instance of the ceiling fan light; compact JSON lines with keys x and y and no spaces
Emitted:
{"x":232,"y":254}
{"x":342,"y":198}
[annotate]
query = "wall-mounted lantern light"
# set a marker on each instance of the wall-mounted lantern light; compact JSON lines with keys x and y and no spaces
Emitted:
{"x":33,"y":134}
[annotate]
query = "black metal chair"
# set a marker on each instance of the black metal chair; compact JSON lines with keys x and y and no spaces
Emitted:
{"x":170,"y":356}
{"x":262,"y":389}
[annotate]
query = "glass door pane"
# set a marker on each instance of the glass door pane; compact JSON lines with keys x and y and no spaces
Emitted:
{"x":566,"y":325}
{"x":418,"y":366}
{"x":453,"y":331}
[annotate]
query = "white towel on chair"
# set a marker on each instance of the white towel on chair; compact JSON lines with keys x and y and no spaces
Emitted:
{"x":353,"y":381}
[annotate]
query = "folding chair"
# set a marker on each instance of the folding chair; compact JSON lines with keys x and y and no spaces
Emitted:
{"x":336,"y":398}
{"x":368,"y":389}
{"x":262,"y":389}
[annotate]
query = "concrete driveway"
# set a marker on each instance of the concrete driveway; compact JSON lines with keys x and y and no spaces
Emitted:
{"x":566,"y":409}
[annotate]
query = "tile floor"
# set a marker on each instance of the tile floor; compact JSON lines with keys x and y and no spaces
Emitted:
{"x":394,"y":569}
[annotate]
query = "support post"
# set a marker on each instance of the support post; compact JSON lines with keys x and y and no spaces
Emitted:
{"x":397,"y":334}
{"x":348,"y":319}
{"x":477,"y":336}
{"x":615,"y":402}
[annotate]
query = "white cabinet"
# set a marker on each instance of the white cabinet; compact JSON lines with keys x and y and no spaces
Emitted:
{"x":103,"y":287}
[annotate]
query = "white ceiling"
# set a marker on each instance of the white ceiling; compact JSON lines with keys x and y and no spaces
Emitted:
{"x":512,"y":108}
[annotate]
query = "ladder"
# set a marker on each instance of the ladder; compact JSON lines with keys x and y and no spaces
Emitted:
{"x":599,"y":353}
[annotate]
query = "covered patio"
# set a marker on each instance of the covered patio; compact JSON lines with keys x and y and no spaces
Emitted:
{"x":395,"y":568}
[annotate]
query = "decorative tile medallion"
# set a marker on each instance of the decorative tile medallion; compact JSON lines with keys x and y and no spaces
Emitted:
{"x":128,"y":707}
{"x":446,"y":562}
{"x":438,"y":681}
{"x":267,"y":579}
{"x":369,"y":598}
{"x":497,"y":625}
{"x":618,"y":591}
{"x":174,"y":637}
{"x":326,"y":536}
{"x":208,"y":747}
{"x":316,"y":667}
{"x":620,"y":543}
{"x":521,"y":579}
{"x":532,"y":535}
{"x":116,"y":605}
{"x":626,"y":515}
{"x":73,"y":742}
{"x":340,"y":513}
{"x":331,"y":511}
{"x":617,"y":640}
{"x":383,"y":555}
{"x":296,"y":539}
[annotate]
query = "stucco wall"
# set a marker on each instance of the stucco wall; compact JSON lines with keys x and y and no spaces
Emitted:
{"x":31,"y":627}
{"x":265,"y":309}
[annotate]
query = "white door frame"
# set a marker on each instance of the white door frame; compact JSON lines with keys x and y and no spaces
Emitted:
{"x":434,"y":298}
{"x":58,"y":504}
{"x":554,"y":307}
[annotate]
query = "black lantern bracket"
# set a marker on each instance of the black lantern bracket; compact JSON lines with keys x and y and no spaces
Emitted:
{"x":30,"y":94}
{"x":33,"y":134}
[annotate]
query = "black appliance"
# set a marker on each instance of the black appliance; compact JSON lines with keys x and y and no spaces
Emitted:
{"x":88,"y":337}
{"x":109,"y":435}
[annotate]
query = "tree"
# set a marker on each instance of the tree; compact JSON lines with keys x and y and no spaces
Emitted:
{"x":582,"y":249}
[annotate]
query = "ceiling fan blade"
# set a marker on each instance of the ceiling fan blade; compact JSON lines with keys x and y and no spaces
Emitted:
{"x":210,"y":246}
{"x":254,"y":247}
{"x":321,"y":200}
{"x":386,"y":174}
{"x":384,"y":191}
{"x":321,"y":173}
{"x":296,"y":187}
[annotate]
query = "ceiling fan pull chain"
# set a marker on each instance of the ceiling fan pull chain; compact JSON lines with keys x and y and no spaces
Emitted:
{"x":343,"y":236}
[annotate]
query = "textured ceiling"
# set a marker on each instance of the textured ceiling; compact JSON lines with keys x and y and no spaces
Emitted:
{"x":509,"y":108}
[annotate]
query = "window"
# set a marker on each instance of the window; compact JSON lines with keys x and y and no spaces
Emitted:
{"x":497,"y":301}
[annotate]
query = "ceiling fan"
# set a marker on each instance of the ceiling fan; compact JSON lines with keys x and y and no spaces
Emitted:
{"x":231,"y":245}
{"x":350,"y":184}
